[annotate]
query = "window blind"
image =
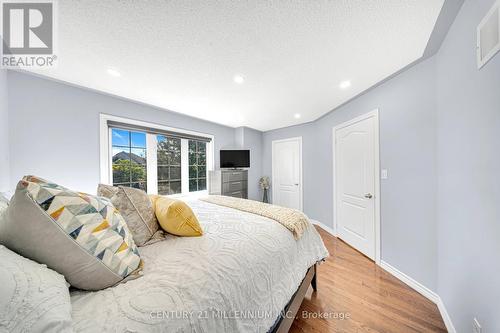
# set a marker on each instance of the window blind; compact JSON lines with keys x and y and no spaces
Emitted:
{"x":152,"y":130}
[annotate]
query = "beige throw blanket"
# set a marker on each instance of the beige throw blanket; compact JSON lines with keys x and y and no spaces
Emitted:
{"x":292,"y":219}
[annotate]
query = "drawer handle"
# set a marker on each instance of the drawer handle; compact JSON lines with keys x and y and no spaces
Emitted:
{"x":234,"y":183}
{"x":236,"y":192}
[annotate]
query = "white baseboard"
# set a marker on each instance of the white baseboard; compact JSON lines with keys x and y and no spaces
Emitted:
{"x":417,"y":286}
{"x":446,"y":317}
{"x":324,"y":227}
{"x":424,"y":291}
{"x":420,"y":288}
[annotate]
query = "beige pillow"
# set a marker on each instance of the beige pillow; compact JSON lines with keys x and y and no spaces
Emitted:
{"x":135,"y":207}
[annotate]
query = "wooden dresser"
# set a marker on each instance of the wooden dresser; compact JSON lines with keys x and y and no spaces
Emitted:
{"x":233,"y":183}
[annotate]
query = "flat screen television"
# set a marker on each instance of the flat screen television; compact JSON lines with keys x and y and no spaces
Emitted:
{"x":235,"y":158}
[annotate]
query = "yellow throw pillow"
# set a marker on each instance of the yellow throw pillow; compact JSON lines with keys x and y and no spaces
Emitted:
{"x":176,"y":217}
{"x":153,"y":198}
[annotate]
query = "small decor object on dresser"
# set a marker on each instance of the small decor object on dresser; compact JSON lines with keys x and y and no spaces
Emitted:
{"x":264,"y":184}
{"x":76,"y":234}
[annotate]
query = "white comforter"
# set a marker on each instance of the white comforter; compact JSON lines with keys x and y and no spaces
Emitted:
{"x":237,"y":277}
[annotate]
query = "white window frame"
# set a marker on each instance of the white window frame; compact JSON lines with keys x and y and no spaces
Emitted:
{"x":106,"y":156}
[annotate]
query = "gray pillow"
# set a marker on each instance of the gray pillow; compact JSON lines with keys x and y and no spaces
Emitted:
{"x":33,"y":298}
{"x":136,"y":208}
{"x":78,"y":235}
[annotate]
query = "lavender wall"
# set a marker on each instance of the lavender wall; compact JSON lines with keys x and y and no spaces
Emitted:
{"x":439,"y":127}
{"x":4,"y":134}
{"x":406,"y":105}
{"x":252,"y":139}
{"x":54,"y":129}
{"x":468,"y":148}
{"x":248,"y":138}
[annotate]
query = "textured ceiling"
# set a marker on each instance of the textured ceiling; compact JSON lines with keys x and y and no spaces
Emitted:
{"x":183,"y":55}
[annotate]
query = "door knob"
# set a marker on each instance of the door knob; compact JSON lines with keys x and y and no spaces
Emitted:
{"x":296,"y":184}
{"x":368,"y":195}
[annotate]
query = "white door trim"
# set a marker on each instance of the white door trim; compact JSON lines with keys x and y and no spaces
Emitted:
{"x":299,"y":138}
{"x":370,"y":114}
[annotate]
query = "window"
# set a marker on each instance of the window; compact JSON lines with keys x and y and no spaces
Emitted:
{"x":197,"y":166}
{"x":169,"y":165}
{"x":157,"y":160}
{"x":129,"y":161}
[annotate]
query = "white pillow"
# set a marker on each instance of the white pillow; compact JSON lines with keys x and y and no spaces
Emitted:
{"x":7,"y":195}
{"x":33,"y":298}
{"x":4,"y":204}
{"x":4,"y":201}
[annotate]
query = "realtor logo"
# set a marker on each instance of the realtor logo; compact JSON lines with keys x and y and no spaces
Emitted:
{"x":28,"y":34}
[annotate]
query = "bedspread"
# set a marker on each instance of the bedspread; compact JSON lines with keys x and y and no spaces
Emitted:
{"x":292,"y":219}
{"x":237,"y":277}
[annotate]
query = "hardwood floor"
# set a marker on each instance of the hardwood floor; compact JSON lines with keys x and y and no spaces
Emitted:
{"x":358,"y":296}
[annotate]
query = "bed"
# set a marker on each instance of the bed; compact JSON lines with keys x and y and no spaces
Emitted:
{"x":238,"y":277}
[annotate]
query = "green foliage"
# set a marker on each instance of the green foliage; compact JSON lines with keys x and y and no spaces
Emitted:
{"x":123,"y":169}
{"x":169,"y":151}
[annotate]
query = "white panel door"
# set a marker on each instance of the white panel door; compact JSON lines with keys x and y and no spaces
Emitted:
{"x":355,"y":184}
{"x":287,"y":173}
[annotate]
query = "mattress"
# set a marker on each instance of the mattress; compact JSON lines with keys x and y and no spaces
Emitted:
{"x":237,"y":277}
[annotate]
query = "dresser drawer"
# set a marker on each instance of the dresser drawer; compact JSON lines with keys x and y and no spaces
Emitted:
{"x":234,"y":186}
{"x":236,"y":194}
{"x":233,"y":176}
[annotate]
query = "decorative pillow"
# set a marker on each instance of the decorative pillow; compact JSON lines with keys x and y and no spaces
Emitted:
{"x":78,"y":235}
{"x":154,"y":198}
{"x":4,"y":204}
{"x":33,"y":298}
{"x":107,"y":191}
{"x":135,"y":207}
{"x":177,"y":218}
{"x":5,"y":196}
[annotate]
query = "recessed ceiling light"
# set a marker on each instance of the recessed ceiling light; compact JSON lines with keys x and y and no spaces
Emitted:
{"x":296,"y":116}
{"x":238,"y":79}
{"x":113,"y":72}
{"x":345,"y":84}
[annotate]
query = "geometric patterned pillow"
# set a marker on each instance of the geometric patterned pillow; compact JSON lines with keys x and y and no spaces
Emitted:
{"x":78,"y":235}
